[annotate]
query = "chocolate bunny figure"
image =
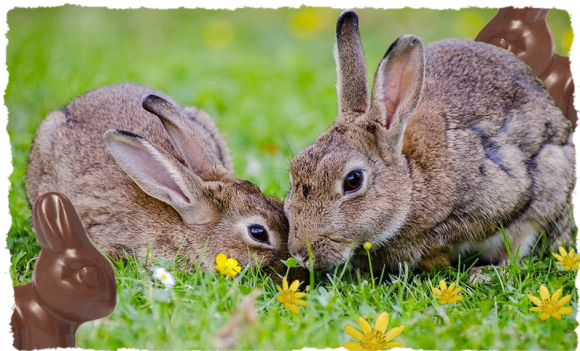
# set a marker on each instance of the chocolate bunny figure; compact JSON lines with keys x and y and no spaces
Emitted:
{"x":72,"y":281}
{"x":525,"y":33}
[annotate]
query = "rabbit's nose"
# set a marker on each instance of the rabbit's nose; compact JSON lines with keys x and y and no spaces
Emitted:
{"x":298,"y":249}
{"x":300,"y":254}
{"x":302,"y":260}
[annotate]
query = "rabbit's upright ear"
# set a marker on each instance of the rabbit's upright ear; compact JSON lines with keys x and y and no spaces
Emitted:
{"x":57,"y":223}
{"x":184,"y":137}
{"x":398,"y":86}
{"x":159,"y":175}
{"x":352,"y":86}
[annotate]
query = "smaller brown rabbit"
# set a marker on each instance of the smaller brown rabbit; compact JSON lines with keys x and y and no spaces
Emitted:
{"x":72,"y":282}
{"x":151,"y":178}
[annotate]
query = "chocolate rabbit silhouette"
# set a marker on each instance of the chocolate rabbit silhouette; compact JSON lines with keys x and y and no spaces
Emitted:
{"x":72,"y":282}
{"x":525,"y":33}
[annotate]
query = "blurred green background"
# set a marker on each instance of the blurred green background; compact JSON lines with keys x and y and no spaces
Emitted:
{"x":266,"y":76}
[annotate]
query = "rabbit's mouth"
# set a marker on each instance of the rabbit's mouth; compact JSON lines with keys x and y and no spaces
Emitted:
{"x":335,"y":257}
{"x":339,"y":240}
{"x":302,"y":260}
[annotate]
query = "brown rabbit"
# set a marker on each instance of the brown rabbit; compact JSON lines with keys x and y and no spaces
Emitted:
{"x":458,"y":139}
{"x":159,"y":181}
{"x":72,"y":282}
{"x":525,"y":32}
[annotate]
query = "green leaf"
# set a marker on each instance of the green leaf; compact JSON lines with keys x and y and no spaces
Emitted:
{"x":291,"y":262}
{"x":244,"y":289}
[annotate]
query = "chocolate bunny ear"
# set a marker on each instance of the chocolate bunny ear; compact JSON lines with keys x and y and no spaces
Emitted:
{"x":526,"y":14}
{"x":57,"y":223}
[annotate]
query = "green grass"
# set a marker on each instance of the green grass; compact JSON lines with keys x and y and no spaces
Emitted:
{"x":493,"y":315}
{"x":267,"y":77}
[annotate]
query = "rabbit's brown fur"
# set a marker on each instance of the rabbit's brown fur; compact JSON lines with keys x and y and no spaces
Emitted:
{"x":484,"y":146}
{"x":120,"y":213}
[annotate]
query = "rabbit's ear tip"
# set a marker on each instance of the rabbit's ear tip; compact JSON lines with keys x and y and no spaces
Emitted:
{"x":347,"y":16}
{"x":146,"y":101}
{"x":150,"y":99}
{"x":408,"y":40}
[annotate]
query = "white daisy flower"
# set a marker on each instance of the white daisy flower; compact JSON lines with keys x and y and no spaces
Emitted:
{"x":165,"y":276}
{"x":253,"y":166}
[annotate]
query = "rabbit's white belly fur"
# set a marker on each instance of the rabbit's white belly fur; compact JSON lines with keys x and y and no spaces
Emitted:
{"x":522,"y":236}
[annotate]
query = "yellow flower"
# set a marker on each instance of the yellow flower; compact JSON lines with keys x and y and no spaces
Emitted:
{"x":550,"y":306}
{"x":227,"y":266}
{"x":568,"y":260}
{"x":306,"y":24}
{"x":373,"y":339}
{"x":218,"y":34}
{"x":368,"y":246}
{"x":447,"y":294}
{"x":289,"y":297}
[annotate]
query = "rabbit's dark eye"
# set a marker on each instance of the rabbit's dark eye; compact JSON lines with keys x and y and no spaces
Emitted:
{"x":258,"y":233}
{"x":353,"y":181}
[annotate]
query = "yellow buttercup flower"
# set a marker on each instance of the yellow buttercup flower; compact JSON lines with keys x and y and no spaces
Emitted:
{"x":550,"y":306}
{"x":568,"y":260}
{"x":218,"y":34}
{"x":447,"y":294}
{"x":306,"y":24}
{"x":373,"y":338}
{"x":289,"y":297}
{"x":227,"y":266}
{"x":368,"y":247}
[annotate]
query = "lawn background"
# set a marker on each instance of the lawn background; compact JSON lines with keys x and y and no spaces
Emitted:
{"x":267,"y":77}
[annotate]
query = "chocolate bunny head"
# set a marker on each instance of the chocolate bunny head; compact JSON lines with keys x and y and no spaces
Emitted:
{"x":71,"y":278}
{"x":524,"y":32}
